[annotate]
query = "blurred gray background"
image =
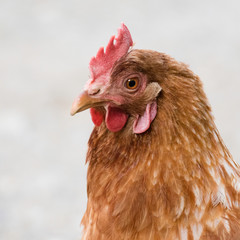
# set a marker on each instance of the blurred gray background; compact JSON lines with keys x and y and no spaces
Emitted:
{"x":45,"y":47}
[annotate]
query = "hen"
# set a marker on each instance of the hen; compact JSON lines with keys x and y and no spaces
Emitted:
{"x":158,"y":168}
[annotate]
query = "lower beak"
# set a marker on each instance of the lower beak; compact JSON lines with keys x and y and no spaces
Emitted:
{"x":85,"y":101}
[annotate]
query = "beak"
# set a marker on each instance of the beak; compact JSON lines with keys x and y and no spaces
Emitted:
{"x":85,"y":101}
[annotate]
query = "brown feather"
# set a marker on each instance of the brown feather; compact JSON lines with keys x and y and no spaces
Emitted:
{"x":175,"y":181}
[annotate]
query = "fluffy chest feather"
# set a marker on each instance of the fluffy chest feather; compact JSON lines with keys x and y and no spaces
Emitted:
{"x":146,"y":193}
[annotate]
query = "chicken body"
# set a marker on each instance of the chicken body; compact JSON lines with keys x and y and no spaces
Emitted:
{"x":176,"y":180}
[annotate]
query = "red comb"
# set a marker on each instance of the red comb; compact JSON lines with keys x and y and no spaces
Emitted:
{"x":101,"y":65}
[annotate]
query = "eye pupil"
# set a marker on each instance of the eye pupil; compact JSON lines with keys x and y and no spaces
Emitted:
{"x":132,"y":83}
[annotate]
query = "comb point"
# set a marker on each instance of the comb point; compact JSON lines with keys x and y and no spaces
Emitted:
{"x":100,"y":53}
{"x":110,"y":45}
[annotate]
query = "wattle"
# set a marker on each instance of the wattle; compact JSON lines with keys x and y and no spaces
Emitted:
{"x":142,"y":123}
{"x":115,"y":119}
{"x":97,"y":116}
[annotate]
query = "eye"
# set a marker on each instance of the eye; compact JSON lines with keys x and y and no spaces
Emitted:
{"x":132,"y":83}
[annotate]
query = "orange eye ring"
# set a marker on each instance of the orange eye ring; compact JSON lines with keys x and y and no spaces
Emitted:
{"x":132,"y":83}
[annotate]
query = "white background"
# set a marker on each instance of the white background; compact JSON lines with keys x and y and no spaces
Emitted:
{"x":45,"y":47}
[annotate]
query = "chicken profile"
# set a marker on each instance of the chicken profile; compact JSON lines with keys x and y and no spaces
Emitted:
{"x":157,"y":166}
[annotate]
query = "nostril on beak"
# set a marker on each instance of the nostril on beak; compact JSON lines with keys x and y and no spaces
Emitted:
{"x":94,"y":92}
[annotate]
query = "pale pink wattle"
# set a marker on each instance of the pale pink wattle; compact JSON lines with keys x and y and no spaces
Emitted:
{"x":142,"y":123}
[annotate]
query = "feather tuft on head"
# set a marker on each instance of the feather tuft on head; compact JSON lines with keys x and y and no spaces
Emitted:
{"x":101,"y":65}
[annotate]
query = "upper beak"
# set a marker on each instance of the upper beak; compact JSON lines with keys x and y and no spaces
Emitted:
{"x":85,"y":101}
